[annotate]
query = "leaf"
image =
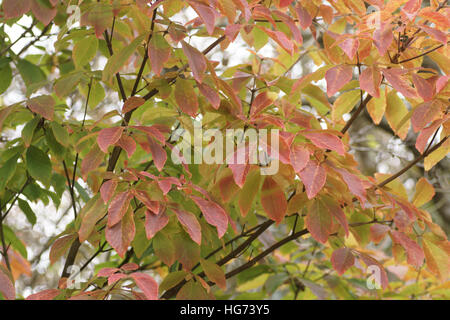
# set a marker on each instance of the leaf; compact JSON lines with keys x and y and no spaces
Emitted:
{"x":120,"y":235}
{"x":48,"y":294}
{"x":325,"y":140}
{"x":128,"y":144}
{"x":303,"y":16}
{"x":158,"y":153}
{"x":425,"y":113}
{"x":354,"y":184}
{"x":336,"y":211}
{"x":210,"y":94}
{"x":382,"y":38}
{"x":171,"y":280}
{"x":94,"y":210}
{"x":60,"y":247}
{"x":109,"y":136}
{"x":154,"y":223}
{"x":30,"y":73}
{"x":84,"y":51}
{"x":67,"y":83}
{"x":350,"y":47}
{"x":273,"y":200}
{"x":147,"y":284}
{"x":423,"y":87}
{"x":132,"y":103}
{"x":159,"y":52}
{"x":186,"y":100}
{"x":214,"y":214}
{"x":7,"y":287}
{"x":192,"y":291}
{"x":437,"y":257}
{"x":206,"y":14}
{"x":214,"y":273}
{"x":395,"y":77}
{"x":164,"y":248}
{"x":107,"y":190}
{"x":342,"y":259}
{"x":196,"y":59}
{"x":119,"y":58}
{"x":187,"y":252}
{"x":280,"y":38}
{"x":43,"y":11}
{"x":262,"y":101}
{"x":437,"y":155}
{"x":191,"y":224}
{"x":425,"y":134}
{"x":344,"y":104}
{"x":319,"y":221}
{"x":378,"y":232}
{"x":91,"y":161}
{"x":249,"y":192}
{"x":371,"y":262}
{"x":38,"y":164}
{"x":396,"y":111}
{"x":16,"y":8}
{"x":370,"y":81}
{"x":99,"y":16}
{"x":424,"y":192}
{"x":337,"y":77}
{"x":118,"y":207}
{"x":26,"y":209}
{"x":6,"y":79}
{"x":299,"y":157}
{"x":60,"y":133}
{"x":414,"y":252}
{"x":7,"y":170}
{"x":313,"y":177}
{"x":377,"y":106}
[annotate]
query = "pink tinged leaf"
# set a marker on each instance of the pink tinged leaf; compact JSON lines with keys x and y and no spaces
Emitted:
{"x":424,"y":88}
{"x":7,"y":287}
{"x":207,"y":15}
{"x":191,"y":224}
{"x":411,"y":8}
{"x":214,"y":214}
{"x":336,"y":211}
{"x":147,"y":284}
{"x":377,"y":269}
{"x":120,"y":235}
{"x":158,"y":52}
{"x":210,"y":94}
{"x":273,"y":200}
{"x":154,"y":223}
{"x":396,"y":79}
{"x":319,"y":221}
{"x":132,"y":103}
{"x":118,"y":207}
{"x":107,"y":272}
{"x":91,"y":161}
{"x":370,"y":80}
{"x":285,"y":3}
{"x":43,"y":106}
{"x":313,"y":177}
{"x":414,"y":252}
{"x":232,"y":30}
{"x":107,"y":190}
{"x":261,"y":101}
{"x":42,"y":12}
{"x":441,"y":83}
{"x":326,"y":140}
{"x":128,"y":144}
{"x":60,"y":247}
{"x":435,"y":33}
{"x":158,"y":153}
{"x":354,"y":184}
{"x":144,"y":197}
{"x":303,"y":16}
{"x":296,"y":33}
{"x":240,"y":172}
{"x":337,"y":77}
{"x":425,"y":134}
{"x":196,"y":59}
{"x":378,"y":232}
{"x":342,"y":259}
{"x":185,"y":97}
{"x":424,"y":114}
{"x":299,"y":157}
{"x":383,"y":38}
{"x":16,"y":8}
{"x":214,"y":273}
{"x":129,"y":267}
{"x":280,"y":38}
{"x":116,"y":277}
{"x":109,"y":136}
{"x":48,"y":294}
{"x":350,"y":47}
{"x":153,"y":131}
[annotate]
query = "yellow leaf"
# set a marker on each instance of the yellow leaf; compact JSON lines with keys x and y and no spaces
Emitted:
{"x":424,"y":192}
{"x":437,"y":155}
{"x":395,"y":115}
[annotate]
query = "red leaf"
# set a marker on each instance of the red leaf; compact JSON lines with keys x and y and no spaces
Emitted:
{"x":424,"y":114}
{"x":350,"y":47}
{"x":153,"y":131}
{"x":128,"y":144}
{"x":280,"y":38}
{"x":196,"y":60}
{"x":424,"y":88}
{"x":116,"y":277}
{"x":435,"y":33}
{"x":144,"y":197}
{"x":7,"y":287}
{"x":370,"y":80}
{"x":107,"y":190}
{"x":261,"y":101}
{"x":129,"y":267}
{"x":132,"y":103}
{"x":382,"y":38}
{"x":414,"y":252}
{"x":396,"y":79}
{"x":303,"y":16}
{"x":107,"y":272}
{"x":158,"y":52}
{"x":60,"y":246}
{"x":299,"y":157}
{"x":48,"y":294}
{"x":425,"y":134}
{"x":411,"y":8}
{"x":325,"y":140}
{"x":214,"y":214}
{"x":336,"y":211}
{"x":158,"y":153}
{"x":319,"y":221}
{"x":191,"y":224}
{"x":91,"y":161}
{"x":109,"y":136}
{"x":313,"y":177}
{"x":205,"y":13}
{"x":296,"y":33}
{"x":342,"y":259}
{"x":273,"y":200}
{"x":154,"y":223}
{"x":285,"y":3}
{"x":354,"y":184}
{"x":185,"y":97}
{"x":42,"y":105}
{"x":147,"y":284}
{"x":378,"y":232}
{"x":42,"y":12}
{"x":16,"y":8}
{"x":118,"y":207}
{"x":337,"y":77}
{"x":371,"y":262}
{"x":210,"y":94}
{"x":120,"y":235}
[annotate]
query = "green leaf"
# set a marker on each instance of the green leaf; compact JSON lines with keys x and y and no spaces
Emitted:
{"x":30,"y":73}
{"x":38,"y":164}
{"x":7,"y":170}
{"x":28,"y":131}
{"x":6,"y":78}
{"x":26,"y":209}
{"x":344,"y":104}
{"x":60,"y":133}
{"x":84,"y":51}
{"x":68,"y":83}
{"x":171,"y":280}
{"x":57,"y":149}
{"x":16,"y":243}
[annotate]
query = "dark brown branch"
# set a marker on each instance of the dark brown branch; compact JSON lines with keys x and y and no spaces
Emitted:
{"x":423,"y":54}
{"x":356,"y":113}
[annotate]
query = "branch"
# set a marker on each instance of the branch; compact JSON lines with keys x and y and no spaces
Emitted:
{"x":356,"y":114}
{"x":423,"y":54}
{"x":44,"y":31}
